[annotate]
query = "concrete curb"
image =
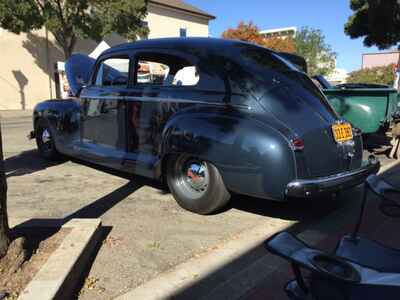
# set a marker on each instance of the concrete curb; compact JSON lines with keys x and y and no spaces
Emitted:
{"x":168,"y":284}
{"x":58,"y":277}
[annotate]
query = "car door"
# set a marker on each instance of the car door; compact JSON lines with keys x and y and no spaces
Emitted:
{"x":103,"y":116}
{"x":164,"y":82}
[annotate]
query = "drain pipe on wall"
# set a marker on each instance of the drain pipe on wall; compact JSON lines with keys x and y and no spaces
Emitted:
{"x":48,"y":63}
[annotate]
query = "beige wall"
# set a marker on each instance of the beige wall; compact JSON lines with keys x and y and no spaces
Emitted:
{"x":23,"y":69}
{"x":26,"y":60}
{"x":26,"y":73}
{"x":165,"y":22}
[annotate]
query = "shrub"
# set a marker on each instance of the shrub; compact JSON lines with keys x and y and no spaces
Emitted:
{"x":379,"y":75}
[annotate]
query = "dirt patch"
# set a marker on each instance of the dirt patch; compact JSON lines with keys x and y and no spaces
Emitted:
{"x":30,"y":249}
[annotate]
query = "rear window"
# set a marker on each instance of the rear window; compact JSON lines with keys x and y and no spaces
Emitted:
{"x":262,"y":58}
{"x":247,"y":67}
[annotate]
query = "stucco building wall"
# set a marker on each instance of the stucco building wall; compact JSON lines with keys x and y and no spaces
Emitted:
{"x":166,"y":22}
{"x":27,"y":66}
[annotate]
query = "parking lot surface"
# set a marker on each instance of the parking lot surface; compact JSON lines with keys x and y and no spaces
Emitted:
{"x":146,"y":232}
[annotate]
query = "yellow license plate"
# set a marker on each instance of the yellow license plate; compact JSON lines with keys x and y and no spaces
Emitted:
{"x":342,"y":132}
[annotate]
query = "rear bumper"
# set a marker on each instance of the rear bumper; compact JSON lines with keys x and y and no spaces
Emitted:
{"x":313,"y":187}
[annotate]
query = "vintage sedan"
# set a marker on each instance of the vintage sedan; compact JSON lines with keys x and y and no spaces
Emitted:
{"x":210,"y":117}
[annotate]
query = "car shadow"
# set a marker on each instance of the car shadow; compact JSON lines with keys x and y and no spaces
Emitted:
{"x":99,"y":207}
{"x":27,"y":162}
{"x":304,"y":211}
{"x":292,"y":209}
{"x":134,"y":178}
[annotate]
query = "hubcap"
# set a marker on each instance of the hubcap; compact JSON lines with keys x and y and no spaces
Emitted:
{"x":197,"y":176}
{"x":46,"y":137}
{"x":193,"y":177}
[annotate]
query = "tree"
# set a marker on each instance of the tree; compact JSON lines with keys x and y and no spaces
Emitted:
{"x":69,"y":20}
{"x":310,"y":44}
{"x":249,"y":32}
{"x":380,"y":75}
{"x":280,"y":44}
{"x":378,"y":21}
{"x":4,"y":230}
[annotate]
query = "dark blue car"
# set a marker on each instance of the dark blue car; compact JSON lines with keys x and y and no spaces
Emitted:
{"x":209,"y":117}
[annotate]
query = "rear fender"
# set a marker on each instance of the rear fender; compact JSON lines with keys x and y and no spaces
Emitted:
{"x":253,"y":158}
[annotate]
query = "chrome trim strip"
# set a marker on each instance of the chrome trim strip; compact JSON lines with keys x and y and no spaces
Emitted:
{"x":164,"y":100}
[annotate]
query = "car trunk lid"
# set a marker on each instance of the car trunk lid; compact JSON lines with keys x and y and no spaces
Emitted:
{"x":296,"y":102}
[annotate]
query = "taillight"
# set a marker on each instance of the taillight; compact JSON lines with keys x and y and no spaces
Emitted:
{"x":297,"y":144}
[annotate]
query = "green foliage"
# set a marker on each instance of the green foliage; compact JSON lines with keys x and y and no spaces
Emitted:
{"x":380,"y":75}
{"x":310,"y":44}
{"x":378,"y":21}
{"x":69,"y":20}
{"x":124,"y":17}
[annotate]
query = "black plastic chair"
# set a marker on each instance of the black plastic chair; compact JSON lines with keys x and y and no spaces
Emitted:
{"x":367,"y":252}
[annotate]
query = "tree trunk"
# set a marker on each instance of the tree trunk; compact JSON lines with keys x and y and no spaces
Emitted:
{"x":4,"y":229}
{"x":66,"y":43}
{"x":67,"y":52}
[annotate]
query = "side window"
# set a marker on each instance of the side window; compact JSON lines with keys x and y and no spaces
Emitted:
{"x":113,"y":72}
{"x":165,"y":70}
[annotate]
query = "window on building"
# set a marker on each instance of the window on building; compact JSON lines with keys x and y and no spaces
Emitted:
{"x":165,"y":70}
{"x":183,"y":32}
{"x":113,"y":72}
{"x":145,"y":24}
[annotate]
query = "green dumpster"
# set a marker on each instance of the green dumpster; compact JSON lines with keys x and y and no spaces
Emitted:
{"x":370,"y":110}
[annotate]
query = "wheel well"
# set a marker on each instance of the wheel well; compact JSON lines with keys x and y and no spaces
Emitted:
{"x":164,"y":162}
{"x":35,"y":121}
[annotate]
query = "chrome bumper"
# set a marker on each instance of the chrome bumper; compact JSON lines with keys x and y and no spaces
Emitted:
{"x":301,"y":188}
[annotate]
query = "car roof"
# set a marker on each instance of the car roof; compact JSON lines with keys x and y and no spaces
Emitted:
{"x":177,"y":43}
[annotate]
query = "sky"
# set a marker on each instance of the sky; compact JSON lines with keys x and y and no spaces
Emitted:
{"x":327,"y":15}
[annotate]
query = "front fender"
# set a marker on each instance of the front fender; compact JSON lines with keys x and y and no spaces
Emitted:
{"x":253,"y":158}
{"x":62,"y":116}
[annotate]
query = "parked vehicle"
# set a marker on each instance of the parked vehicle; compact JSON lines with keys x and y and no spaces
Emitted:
{"x":217,"y":117}
{"x":371,"y":108}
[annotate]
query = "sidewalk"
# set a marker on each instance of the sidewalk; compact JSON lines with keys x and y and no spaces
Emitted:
{"x":375,"y":226}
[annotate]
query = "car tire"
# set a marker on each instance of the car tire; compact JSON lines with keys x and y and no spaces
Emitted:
{"x":196,"y":184}
{"x":45,"y":142}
